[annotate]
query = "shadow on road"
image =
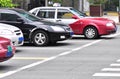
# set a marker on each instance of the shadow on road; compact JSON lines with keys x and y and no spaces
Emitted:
{"x":83,"y":38}
{"x":50,"y":45}
{"x":5,"y":67}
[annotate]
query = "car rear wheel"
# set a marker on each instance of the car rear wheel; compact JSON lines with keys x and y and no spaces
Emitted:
{"x":40,"y":38}
{"x":91,"y":33}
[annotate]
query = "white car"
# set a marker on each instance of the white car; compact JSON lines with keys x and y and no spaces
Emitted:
{"x":61,"y":15}
{"x":13,"y":33}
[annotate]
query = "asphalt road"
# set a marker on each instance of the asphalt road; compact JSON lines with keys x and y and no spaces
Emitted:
{"x":76,"y":58}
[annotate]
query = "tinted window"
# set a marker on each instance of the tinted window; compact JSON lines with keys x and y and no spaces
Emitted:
{"x":64,"y":14}
{"x":9,"y":17}
{"x":35,"y":12}
{"x":46,"y":13}
{"x":77,"y":12}
{"x":27,"y":15}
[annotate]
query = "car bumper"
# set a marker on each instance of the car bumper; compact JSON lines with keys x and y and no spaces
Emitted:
{"x":16,"y":40}
{"x":111,"y":30}
{"x":5,"y":54}
{"x":108,"y":30}
{"x":60,"y":36}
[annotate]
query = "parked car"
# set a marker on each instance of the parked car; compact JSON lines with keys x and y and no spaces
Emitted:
{"x":7,"y":50}
{"x":90,"y":27}
{"x":35,"y":30}
{"x":13,"y":33}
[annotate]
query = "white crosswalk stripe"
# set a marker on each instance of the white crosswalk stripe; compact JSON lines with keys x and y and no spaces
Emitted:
{"x":115,"y":65}
{"x":112,"y":71}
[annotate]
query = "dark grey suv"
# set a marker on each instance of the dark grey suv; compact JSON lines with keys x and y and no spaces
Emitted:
{"x":35,"y":30}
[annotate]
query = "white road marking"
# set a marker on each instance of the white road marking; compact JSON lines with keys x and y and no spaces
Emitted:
{"x":115,"y":64}
{"x":118,"y":60}
{"x":107,"y":74}
{"x":29,"y":58}
{"x":111,"y":69}
{"x":50,"y":58}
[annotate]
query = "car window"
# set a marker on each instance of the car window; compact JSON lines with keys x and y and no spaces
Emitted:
{"x":77,"y":12}
{"x":46,"y":13}
{"x":9,"y":17}
{"x":27,"y":15}
{"x":34,"y":12}
{"x":64,"y":14}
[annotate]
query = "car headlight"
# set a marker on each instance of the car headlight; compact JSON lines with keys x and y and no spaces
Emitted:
{"x":109,"y":24}
{"x":58,"y":29}
{"x":6,"y":32}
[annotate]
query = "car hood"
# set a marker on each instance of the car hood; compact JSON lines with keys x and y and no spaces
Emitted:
{"x":45,"y":23}
{"x":9,"y":27}
{"x":98,"y":18}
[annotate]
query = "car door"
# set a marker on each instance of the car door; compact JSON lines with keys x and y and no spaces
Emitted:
{"x":47,"y":14}
{"x":9,"y":18}
{"x":64,"y":16}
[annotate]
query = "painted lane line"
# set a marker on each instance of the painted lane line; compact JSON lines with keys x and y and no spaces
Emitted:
{"x":29,"y":58}
{"x":25,"y":67}
{"x":49,"y":59}
{"x":118,"y":60}
{"x":79,"y":48}
{"x":115,"y":64}
{"x":110,"y":69}
{"x":1,"y":74}
{"x":107,"y":74}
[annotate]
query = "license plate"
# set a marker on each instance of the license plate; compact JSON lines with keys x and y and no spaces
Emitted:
{"x":21,"y":39}
{"x":71,"y":33}
{"x":9,"y":51}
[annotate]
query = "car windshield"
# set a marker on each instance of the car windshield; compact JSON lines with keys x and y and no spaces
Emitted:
{"x":78,"y":13}
{"x":27,"y":15}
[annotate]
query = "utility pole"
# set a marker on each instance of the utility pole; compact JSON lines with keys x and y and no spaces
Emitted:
{"x":46,"y":3}
{"x":82,"y":5}
{"x":119,"y":5}
{"x":72,"y":3}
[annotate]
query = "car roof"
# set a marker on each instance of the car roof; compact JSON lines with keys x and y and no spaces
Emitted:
{"x":10,"y":10}
{"x":53,"y":7}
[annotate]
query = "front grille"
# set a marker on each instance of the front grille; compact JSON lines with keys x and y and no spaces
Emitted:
{"x":17,"y":32}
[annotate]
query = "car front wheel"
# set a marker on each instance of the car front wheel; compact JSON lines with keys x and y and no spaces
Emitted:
{"x":91,"y":33}
{"x":40,"y":38}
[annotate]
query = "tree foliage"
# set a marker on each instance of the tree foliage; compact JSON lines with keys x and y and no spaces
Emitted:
{"x":59,"y":1}
{"x":97,"y":1}
{"x":7,"y":3}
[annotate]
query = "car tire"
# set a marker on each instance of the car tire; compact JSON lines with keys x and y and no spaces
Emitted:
{"x":91,"y":33}
{"x":40,"y":38}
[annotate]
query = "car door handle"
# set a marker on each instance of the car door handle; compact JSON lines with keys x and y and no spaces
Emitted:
{"x":58,"y":20}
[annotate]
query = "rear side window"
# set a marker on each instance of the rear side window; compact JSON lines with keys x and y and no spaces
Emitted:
{"x":64,"y":14}
{"x":44,"y":13}
{"x":8,"y":17}
{"x":34,"y":13}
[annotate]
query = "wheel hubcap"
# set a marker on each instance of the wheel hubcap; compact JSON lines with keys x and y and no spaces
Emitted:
{"x":40,"y":38}
{"x":90,"y":33}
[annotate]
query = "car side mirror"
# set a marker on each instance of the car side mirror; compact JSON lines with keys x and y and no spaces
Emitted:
{"x":75,"y":17}
{"x":20,"y":20}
